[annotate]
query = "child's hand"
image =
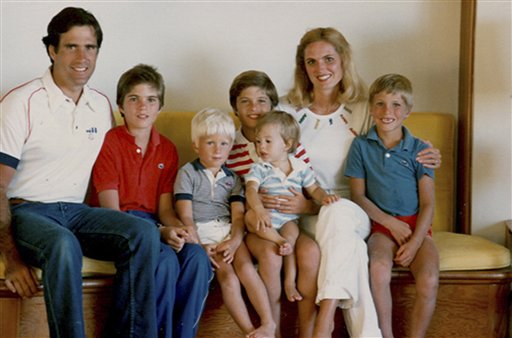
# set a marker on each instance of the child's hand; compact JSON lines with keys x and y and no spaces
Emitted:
{"x":175,"y":237}
{"x":406,"y":253}
{"x":263,"y":220}
{"x":330,"y":199}
{"x":227,"y":250}
{"x":192,"y":236}
{"x":400,"y":231}
{"x":211,"y":251}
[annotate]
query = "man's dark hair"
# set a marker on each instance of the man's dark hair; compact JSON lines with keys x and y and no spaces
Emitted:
{"x":67,"y":19}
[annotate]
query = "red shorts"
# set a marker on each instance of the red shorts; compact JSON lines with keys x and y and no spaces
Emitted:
{"x":411,"y":220}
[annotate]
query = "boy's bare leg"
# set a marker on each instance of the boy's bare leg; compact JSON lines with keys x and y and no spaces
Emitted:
{"x":382,"y":250}
{"x":325,"y":320}
{"x":425,"y":269}
{"x":290,"y":231}
{"x":256,"y":292}
{"x":269,"y":234}
{"x":269,"y":263}
{"x":307,"y":254}
{"x":232,"y":295}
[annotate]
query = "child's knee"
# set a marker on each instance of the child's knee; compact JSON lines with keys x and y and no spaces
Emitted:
{"x":427,"y":284}
{"x":380,"y":271}
{"x":227,"y":277}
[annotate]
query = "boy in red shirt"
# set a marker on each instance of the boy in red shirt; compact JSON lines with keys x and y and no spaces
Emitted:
{"x":135,"y":173}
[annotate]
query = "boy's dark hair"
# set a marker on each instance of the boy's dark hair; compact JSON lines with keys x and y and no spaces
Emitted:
{"x":289,"y":128}
{"x":393,"y":84}
{"x":252,"y":78}
{"x":140,"y":74}
{"x":66,"y":19}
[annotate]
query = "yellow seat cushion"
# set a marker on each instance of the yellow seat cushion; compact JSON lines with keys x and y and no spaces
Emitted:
{"x":469,"y":252}
{"x":90,"y":267}
{"x":456,"y":252}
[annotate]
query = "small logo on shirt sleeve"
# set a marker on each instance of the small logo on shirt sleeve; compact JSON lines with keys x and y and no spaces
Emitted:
{"x":160,"y":165}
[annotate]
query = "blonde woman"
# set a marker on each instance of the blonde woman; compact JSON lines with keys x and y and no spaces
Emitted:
{"x":329,"y":100}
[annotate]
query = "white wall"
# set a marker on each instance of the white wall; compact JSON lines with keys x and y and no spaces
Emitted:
{"x":200,"y":46}
{"x":492,"y":142}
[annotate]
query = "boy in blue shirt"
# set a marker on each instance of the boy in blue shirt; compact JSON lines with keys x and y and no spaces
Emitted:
{"x":397,"y":193}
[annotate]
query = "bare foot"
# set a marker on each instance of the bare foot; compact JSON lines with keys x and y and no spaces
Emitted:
{"x":292,"y":293}
{"x":264,"y":331}
{"x":285,"y":249}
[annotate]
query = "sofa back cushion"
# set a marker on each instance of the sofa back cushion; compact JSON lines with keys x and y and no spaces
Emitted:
{"x":176,"y":127}
{"x":439,"y":129}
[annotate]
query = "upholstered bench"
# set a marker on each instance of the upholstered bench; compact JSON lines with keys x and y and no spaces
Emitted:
{"x":475,"y":278}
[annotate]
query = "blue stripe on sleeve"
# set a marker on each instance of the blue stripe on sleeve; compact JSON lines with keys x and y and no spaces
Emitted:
{"x":237,"y":198}
{"x":8,"y":160}
{"x":181,"y":196}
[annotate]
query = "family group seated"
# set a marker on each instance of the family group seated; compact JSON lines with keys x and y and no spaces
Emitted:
{"x":323,"y":182}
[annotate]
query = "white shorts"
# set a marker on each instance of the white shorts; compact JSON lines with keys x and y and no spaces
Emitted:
{"x":213,"y":232}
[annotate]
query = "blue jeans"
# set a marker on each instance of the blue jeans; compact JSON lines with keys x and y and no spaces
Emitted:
{"x":181,"y":284}
{"x":55,"y":236}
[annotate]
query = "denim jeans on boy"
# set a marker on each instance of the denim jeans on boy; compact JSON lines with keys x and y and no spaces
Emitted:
{"x":54,"y":236}
{"x":181,"y":281}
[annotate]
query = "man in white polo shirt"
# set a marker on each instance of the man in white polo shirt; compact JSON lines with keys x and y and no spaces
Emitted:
{"x":51,"y":131}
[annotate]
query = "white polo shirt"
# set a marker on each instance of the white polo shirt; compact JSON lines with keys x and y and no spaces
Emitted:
{"x":51,"y":141}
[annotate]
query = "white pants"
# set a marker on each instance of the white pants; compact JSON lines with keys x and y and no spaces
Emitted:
{"x":340,"y":230}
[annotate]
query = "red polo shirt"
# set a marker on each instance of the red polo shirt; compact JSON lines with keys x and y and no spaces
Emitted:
{"x":139,"y":180}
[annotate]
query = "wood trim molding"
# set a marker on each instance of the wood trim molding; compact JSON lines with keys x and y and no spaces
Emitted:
{"x":465,"y":125}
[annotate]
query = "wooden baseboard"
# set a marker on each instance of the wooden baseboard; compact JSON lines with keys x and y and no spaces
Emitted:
{"x":27,"y":317}
{"x":469,"y":304}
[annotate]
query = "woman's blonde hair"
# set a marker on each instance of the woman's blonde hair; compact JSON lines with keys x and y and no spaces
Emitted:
{"x":351,"y":87}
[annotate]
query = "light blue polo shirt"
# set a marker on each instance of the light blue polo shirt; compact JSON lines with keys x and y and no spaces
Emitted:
{"x":391,"y":175}
{"x":277,"y":182}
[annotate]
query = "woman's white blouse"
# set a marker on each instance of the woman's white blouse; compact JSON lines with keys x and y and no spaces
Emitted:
{"x":327,"y":139}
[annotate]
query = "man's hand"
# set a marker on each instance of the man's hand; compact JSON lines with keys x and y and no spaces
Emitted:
{"x":19,"y":277}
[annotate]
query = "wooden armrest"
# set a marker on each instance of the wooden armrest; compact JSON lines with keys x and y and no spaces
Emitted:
{"x":509,"y":225}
